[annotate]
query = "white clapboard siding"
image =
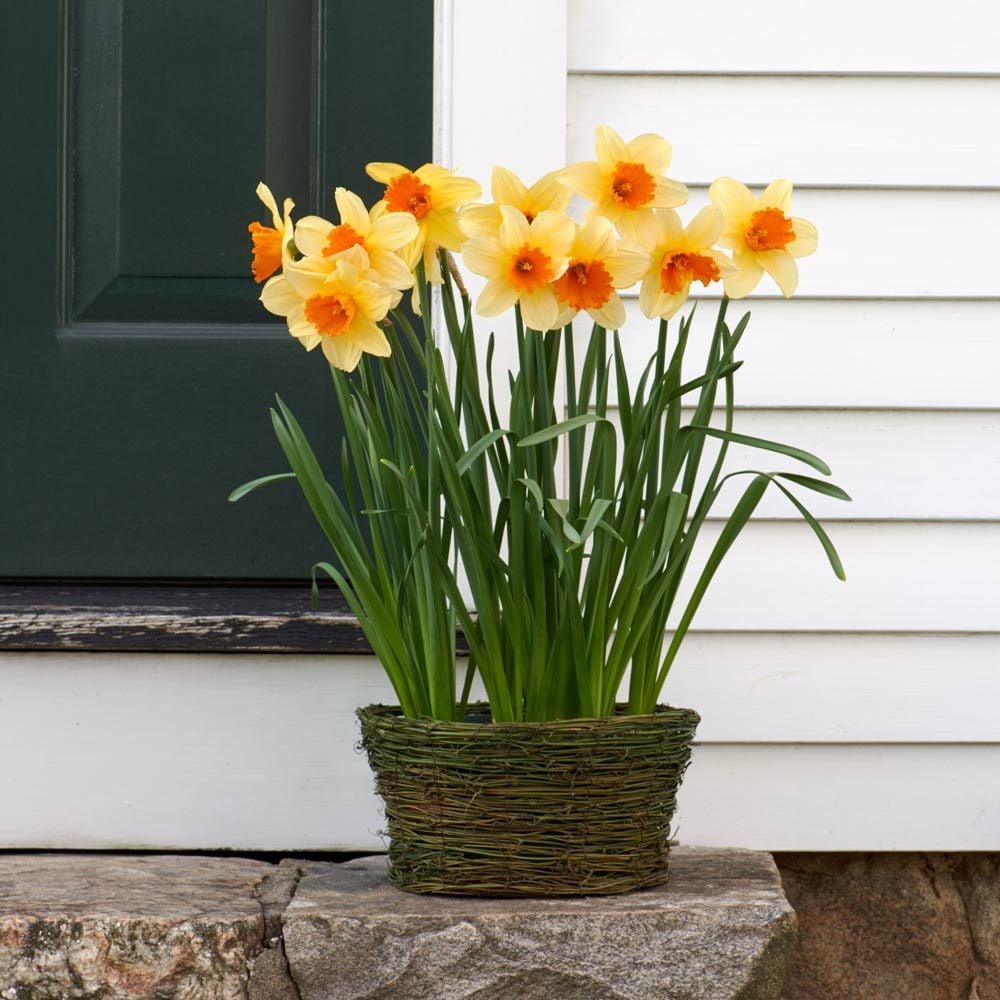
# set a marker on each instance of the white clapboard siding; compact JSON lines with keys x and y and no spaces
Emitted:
{"x":771,"y":687}
{"x":110,"y":751}
{"x":887,"y":244}
{"x":912,"y":797}
{"x":851,"y":36}
{"x":896,"y":465}
{"x":901,"y":577}
{"x":828,"y":353}
{"x":870,"y":131}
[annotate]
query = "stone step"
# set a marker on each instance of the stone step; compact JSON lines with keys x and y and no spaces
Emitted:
{"x":120,"y":927}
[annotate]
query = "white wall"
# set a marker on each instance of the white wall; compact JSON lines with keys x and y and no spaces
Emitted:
{"x":857,"y":716}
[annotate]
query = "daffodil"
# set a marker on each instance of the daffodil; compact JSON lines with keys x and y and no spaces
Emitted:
{"x":271,"y":244}
{"x":432,"y":195}
{"x":628,"y":178}
{"x":521,"y":262}
{"x":546,"y":194}
{"x":380,"y":237}
{"x":678,"y":257}
{"x":762,"y":235}
{"x":337,"y":308}
{"x":598,"y":265}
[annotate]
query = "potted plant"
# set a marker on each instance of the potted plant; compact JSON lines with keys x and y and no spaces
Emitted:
{"x":516,"y":509}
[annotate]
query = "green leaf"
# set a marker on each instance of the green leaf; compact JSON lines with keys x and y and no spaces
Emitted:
{"x":465,"y":462}
{"x":817,"y":485}
{"x":765,"y":445}
{"x":563,"y":427}
{"x":242,"y":491}
{"x":535,"y":490}
{"x":824,"y":538}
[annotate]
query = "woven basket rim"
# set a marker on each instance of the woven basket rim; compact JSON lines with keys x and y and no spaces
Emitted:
{"x":662,"y":714}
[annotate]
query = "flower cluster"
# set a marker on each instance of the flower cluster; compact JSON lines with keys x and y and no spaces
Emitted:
{"x":338,"y":281}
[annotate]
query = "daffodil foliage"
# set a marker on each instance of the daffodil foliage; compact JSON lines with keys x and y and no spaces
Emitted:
{"x":555,"y":538}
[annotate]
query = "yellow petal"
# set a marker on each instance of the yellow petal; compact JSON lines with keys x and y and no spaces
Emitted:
{"x":384,"y":172}
{"x":724,"y":263}
{"x":641,"y":228}
{"x":390,"y":269}
{"x":649,"y":292}
{"x":732,"y":198}
{"x":308,"y":276}
{"x":669,"y":229}
{"x":507,"y":188}
{"x":442,"y":229}
{"x":806,"y":239}
{"x":370,"y":339}
{"x":627,"y":265}
{"x":704,"y":229}
{"x":668,"y":305}
{"x":746,"y":279}
{"x":653,"y":151}
{"x":594,"y":239}
{"x":513,"y":228}
{"x":311,"y":234}
{"x":301,"y":329}
{"x":264,"y":193}
{"x":553,"y":232}
{"x":778,"y":194}
{"x":610,"y":147}
{"x":478,"y":221}
{"x":498,"y":296}
{"x":611,"y":315}
{"x":454,"y":191}
{"x":540,"y":309}
{"x":342,"y":352}
{"x":585,"y":179}
{"x":393,"y":231}
{"x":278,"y":296}
{"x":485,"y":256}
{"x":781,"y":267}
{"x":669,"y":194}
{"x":565,"y":317}
{"x":549,"y":193}
{"x":352,"y":211}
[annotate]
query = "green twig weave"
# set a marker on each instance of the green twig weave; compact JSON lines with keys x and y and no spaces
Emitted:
{"x":575,"y":807}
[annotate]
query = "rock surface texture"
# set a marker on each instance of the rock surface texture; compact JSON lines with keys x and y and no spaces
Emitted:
{"x":894,"y":926}
{"x":720,"y":930}
{"x":105,"y":927}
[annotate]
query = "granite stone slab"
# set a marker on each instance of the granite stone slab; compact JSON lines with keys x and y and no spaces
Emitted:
{"x":721,"y":929}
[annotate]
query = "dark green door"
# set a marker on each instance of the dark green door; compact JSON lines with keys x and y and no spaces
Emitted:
{"x":137,"y":367}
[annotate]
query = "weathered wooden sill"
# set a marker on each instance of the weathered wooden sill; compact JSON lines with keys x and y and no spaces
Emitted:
{"x":176,"y":618}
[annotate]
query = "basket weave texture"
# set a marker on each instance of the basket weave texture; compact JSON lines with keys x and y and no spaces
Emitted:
{"x":575,"y":807}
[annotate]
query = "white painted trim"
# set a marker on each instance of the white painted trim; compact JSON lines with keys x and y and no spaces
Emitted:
{"x":258,"y":752}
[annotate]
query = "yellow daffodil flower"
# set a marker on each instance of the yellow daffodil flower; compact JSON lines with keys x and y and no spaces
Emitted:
{"x":598,"y":265}
{"x":270,"y":244}
{"x":338,"y":309}
{"x":521,"y":262}
{"x":545,"y":195}
{"x":678,"y":256}
{"x":380,"y":237}
{"x":628,"y":179}
{"x":432,"y":195}
{"x":762,"y":235}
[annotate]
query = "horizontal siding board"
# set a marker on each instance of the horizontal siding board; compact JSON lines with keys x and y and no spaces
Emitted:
{"x":842,"y":798}
{"x":909,"y":465}
{"x":872,"y":131}
{"x":852,"y":36}
{"x":901,"y":577}
{"x":803,"y":353}
{"x":876,"y":244}
{"x":847,"y":688}
{"x":285,"y":775}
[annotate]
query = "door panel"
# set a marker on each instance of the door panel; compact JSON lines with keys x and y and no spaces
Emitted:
{"x":137,"y":365}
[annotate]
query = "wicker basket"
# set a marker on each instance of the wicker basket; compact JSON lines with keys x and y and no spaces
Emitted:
{"x":576,"y":807}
